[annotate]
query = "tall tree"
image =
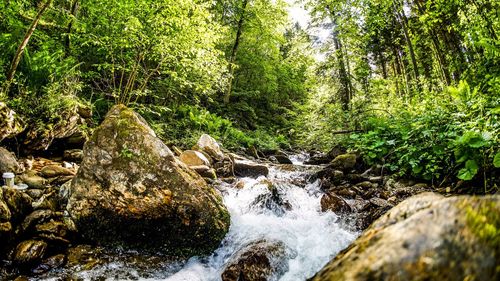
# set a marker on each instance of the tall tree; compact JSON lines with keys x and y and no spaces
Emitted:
{"x":22,"y":46}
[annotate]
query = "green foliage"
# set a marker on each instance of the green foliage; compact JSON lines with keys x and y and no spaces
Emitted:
{"x":496,"y":160}
{"x":436,"y":138}
{"x":183,"y":125}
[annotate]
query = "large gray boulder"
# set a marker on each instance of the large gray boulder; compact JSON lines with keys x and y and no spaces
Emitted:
{"x":131,"y":191}
{"x":426,"y":237}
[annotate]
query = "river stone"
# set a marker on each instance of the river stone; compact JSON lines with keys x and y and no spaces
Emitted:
{"x":51,"y":171}
{"x":258,"y":261}
{"x":131,"y":191}
{"x":282,"y":159}
{"x":73,"y":155}
{"x":205,"y":171}
{"x":334,"y":203}
{"x":426,"y":237}
{"x":210,"y":146}
{"x":344,"y":162}
{"x":247,"y":168}
{"x":10,"y":123}
{"x":33,"y":180}
{"x":29,"y":251}
{"x":194,"y":158}
{"x":38,"y":216}
{"x":50,"y":263}
{"x":19,"y":203}
{"x":8,"y":162}
{"x":5,"y":213}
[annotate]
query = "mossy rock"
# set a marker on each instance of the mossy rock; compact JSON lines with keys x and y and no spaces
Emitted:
{"x":130,"y":191}
{"x":426,"y":237}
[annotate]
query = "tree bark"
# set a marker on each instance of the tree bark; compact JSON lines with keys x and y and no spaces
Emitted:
{"x":22,"y":46}
{"x":404,"y":25}
{"x":234,"y":51}
{"x":74,"y":14}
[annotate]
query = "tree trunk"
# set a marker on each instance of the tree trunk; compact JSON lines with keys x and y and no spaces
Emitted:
{"x":24,"y":43}
{"x":234,"y":50}
{"x":404,"y":25}
{"x":74,"y":14}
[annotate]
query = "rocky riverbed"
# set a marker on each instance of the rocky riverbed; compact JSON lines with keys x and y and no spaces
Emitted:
{"x":129,"y":207}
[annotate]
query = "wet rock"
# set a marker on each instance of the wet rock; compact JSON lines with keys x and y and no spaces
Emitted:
{"x":84,"y":256}
{"x":36,"y":217}
{"x":8,"y":162}
{"x":30,"y":251}
{"x":426,"y":237}
{"x":334,"y":203}
{"x":344,"y":162}
{"x":378,"y":202}
{"x":32,"y":179}
{"x":258,"y":261}
{"x":378,"y":179}
{"x":205,"y":171}
{"x":5,"y":213}
{"x":35,"y":193}
{"x":225,"y":168}
{"x":318,"y":159}
{"x":273,"y":200}
{"x":55,"y":171}
{"x":356,"y":178}
{"x":10,"y":123}
{"x":50,"y":263}
{"x":283,"y":159}
{"x":325,"y":158}
{"x":365,"y":185}
{"x":403,"y":192}
{"x":210,"y":146}
{"x":332,"y":176}
{"x":52,"y":227}
{"x":131,"y":186}
{"x":60,"y":180}
{"x":5,"y":237}
{"x":19,"y":203}
{"x":247,"y":168}
{"x":48,"y":201}
{"x":194,"y":158}
{"x":75,"y":155}
{"x":273,"y":160}
{"x":346,"y":193}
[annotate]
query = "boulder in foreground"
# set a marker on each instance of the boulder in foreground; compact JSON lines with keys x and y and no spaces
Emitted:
{"x":426,"y":237}
{"x":131,"y":191}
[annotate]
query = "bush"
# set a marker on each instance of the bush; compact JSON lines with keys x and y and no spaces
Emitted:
{"x":454,"y":133}
{"x":183,"y":125}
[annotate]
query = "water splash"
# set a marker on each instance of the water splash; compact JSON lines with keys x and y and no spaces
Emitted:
{"x":314,"y":237}
{"x":281,"y":207}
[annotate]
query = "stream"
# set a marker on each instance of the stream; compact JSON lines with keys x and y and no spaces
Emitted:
{"x":312,"y":238}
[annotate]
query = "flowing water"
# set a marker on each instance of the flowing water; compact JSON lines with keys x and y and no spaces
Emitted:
{"x":312,"y":238}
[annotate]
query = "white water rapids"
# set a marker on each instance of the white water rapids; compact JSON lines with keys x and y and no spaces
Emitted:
{"x":312,"y":237}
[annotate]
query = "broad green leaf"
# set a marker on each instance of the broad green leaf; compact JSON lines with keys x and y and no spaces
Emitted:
{"x":469,"y":171}
{"x":496,"y":160}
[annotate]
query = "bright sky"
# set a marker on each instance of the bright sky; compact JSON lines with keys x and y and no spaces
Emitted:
{"x":298,"y":14}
